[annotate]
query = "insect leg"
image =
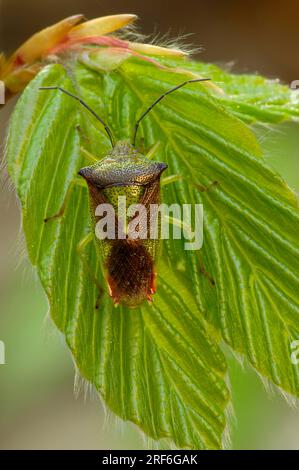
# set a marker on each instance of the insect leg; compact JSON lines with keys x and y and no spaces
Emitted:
{"x":173,"y":178}
{"x":187,"y":227}
{"x":204,"y":271}
{"x":204,"y":189}
{"x":80,"y":250}
{"x":75,"y":181}
{"x":89,"y":155}
{"x":82,"y":134}
{"x":150,"y":154}
{"x":178,"y":223}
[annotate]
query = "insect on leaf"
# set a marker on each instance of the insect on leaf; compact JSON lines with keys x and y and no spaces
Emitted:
{"x":161,"y":366}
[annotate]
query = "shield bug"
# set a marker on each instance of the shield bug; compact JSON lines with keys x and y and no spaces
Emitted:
{"x":129,"y":262}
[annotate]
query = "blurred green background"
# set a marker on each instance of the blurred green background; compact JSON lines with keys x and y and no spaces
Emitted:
{"x":38,"y":406}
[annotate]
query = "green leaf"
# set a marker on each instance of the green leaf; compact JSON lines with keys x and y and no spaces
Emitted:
{"x":158,"y":366}
{"x":251,"y":226}
{"x":161,"y":366}
{"x":252,"y":98}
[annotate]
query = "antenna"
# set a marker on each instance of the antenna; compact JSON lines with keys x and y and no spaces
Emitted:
{"x":85,"y":106}
{"x":193,"y":80}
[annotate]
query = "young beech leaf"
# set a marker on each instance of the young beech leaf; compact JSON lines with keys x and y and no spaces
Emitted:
{"x":160,"y":366}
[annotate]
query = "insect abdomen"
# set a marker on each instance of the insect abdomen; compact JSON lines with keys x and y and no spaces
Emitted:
{"x":130,"y":271}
